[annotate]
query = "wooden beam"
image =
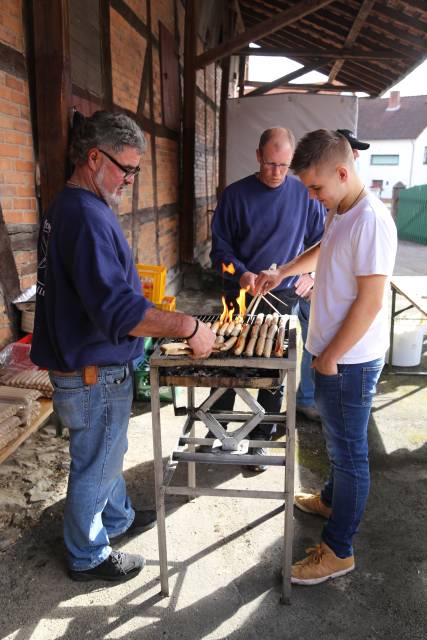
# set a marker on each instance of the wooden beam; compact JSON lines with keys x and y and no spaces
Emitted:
{"x":258,"y":31}
{"x":356,"y":28}
{"x":186,"y":234}
{"x":309,"y":86}
{"x":240,"y":25}
{"x":330,"y":54}
{"x":222,"y":147}
{"x":284,"y":79}
{"x":53,"y":92}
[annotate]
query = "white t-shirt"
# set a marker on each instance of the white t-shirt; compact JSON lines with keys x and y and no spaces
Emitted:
{"x":360,"y":242}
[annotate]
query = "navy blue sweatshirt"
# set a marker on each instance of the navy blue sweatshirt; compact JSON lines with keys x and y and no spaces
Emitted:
{"x":255,"y":226}
{"x":88,"y":291}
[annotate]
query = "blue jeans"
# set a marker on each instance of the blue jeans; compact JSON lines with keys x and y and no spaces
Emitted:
{"x":97,"y":507}
{"x":344,"y":403}
{"x":305,"y":391}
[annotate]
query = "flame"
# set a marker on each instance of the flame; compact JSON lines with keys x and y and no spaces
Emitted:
{"x":241,"y":301}
{"x":230,"y":313}
{"x":224,"y":314}
{"x":228,"y":268}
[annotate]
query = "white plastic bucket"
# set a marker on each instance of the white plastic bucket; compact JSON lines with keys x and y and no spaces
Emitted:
{"x":408,"y":342}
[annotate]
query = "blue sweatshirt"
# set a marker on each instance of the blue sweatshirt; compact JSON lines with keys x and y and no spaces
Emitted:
{"x":88,"y":291}
{"x":255,"y":226}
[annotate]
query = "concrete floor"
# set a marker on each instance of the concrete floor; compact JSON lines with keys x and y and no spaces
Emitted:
{"x":224,"y":553}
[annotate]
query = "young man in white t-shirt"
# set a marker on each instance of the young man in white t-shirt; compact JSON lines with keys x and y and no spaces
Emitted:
{"x":347,"y":336}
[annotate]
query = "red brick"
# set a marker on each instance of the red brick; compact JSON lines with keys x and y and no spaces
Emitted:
{"x":14,"y":83}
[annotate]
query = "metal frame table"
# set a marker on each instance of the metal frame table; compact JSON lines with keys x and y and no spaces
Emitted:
{"x":234,"y":445}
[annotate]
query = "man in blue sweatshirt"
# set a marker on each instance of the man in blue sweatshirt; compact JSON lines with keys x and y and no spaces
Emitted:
{"x":259,"y":220}
{"x":90,"y":319}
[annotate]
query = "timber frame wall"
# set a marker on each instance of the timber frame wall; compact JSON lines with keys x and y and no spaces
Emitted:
{"x":43,"y":74}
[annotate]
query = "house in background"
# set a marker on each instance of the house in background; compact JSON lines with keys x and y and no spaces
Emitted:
{"x":396,"y":128}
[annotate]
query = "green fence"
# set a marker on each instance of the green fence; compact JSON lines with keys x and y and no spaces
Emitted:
{"x":412,"y":214}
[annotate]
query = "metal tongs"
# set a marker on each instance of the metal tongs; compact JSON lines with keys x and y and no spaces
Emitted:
{"x":253,"y":306}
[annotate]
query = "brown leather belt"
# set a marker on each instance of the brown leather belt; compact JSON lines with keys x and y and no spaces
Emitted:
{"x":89,"y":373}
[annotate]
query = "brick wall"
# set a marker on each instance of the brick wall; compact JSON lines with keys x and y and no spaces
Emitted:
{"x":17,"y":165}
{"x":149,"y":212}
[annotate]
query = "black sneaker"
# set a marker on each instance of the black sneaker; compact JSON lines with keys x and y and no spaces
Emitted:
{"x":118,"y":567}
{"x":143,"y":521}
{"x":257,"y":451}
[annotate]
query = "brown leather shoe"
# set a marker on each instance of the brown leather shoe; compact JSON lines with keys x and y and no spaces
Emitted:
{"x":311,"y":503}
{"x":320,"y":565}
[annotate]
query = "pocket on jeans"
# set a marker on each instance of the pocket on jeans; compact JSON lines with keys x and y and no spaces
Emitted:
{"x":72,"y":407}
{"x":370,"y":376}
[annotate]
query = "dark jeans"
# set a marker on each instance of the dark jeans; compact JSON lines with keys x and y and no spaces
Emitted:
{"x":270,"y":401}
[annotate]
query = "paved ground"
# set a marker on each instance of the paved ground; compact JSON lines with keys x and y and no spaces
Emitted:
{"x":224,"y":554}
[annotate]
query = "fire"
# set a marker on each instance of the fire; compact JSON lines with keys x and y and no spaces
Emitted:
{"x":224,"y":314}
{"x":228,"y":268}
{"x":241,"y":301}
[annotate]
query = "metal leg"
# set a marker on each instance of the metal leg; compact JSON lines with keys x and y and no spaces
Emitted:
{"x":158,"y":478}
{"x":289,"y":488}
{"x":191,"y":448}
{"x":393,"y":314}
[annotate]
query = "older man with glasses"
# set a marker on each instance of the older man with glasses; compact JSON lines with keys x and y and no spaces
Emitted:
{"x":90,"y":319}
{"x":258,"y":220}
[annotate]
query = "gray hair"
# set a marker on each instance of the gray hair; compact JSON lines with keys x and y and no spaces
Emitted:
{"x":113,"y":131}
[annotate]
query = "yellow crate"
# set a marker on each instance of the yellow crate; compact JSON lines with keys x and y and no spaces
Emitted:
{"x":153,"y":279}
{"x":167,"y":304}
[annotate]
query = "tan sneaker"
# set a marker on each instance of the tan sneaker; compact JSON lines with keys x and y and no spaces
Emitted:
{"x":320,"y":565}
{"x":311,"y":503}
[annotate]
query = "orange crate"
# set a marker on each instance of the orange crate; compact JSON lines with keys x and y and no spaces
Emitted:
{"x":167,"y":304}
{"x":153,"y":279}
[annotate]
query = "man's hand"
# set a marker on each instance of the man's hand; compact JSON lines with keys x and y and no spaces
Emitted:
{"x":267,"y":280}
{"x":304,"y":286}
{"x":202,"y":342}
{"x":247,"y":281}
{"x":325,"y":365}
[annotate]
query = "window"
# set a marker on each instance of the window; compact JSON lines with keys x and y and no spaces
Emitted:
{"x":425,"y":156}
{"x":384,"y":159}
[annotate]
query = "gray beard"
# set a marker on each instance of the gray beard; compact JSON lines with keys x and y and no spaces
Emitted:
{"x":113,"y":200}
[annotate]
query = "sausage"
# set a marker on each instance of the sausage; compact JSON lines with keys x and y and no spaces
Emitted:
{"x":260,"y":344}
{"x":228,"y":344}
{"x":259,"y":319}
{"x":278,"y":348}
{"x":223,"y":329}
{"x":268,"y":347}
{"x":242,"y":340}
{"x":237,"y":329}
{"x":219,"y":341}
{"x":216,"y":325}
{"x":230,"y":329}
{"x":268,"y":318}
{"x":249,"y":351}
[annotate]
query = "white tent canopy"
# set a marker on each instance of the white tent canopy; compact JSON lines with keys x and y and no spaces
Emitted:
{"x":248,"y":117}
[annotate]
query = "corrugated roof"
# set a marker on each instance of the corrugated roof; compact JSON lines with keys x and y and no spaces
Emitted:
{"x":376,"y":123}
{"x":390,"y":26}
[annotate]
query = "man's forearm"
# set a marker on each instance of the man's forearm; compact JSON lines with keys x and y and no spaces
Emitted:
{"x":158,"y":323}
{"x":304,"y":263}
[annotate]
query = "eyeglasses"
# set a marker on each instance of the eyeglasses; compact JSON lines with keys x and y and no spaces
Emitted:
{"x":128,"y":171}
{"x":274,"y":165}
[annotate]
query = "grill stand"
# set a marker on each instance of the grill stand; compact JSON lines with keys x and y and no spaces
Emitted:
{"x":234,"y":445}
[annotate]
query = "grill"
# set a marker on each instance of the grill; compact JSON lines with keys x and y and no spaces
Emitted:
{"x":224,"y":368}
{"x":220,"y":371}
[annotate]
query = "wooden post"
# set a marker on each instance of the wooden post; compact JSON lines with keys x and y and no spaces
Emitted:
{"x":53,"y":92}
{"x":225,"y":66}
{"x":186,"y":232}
